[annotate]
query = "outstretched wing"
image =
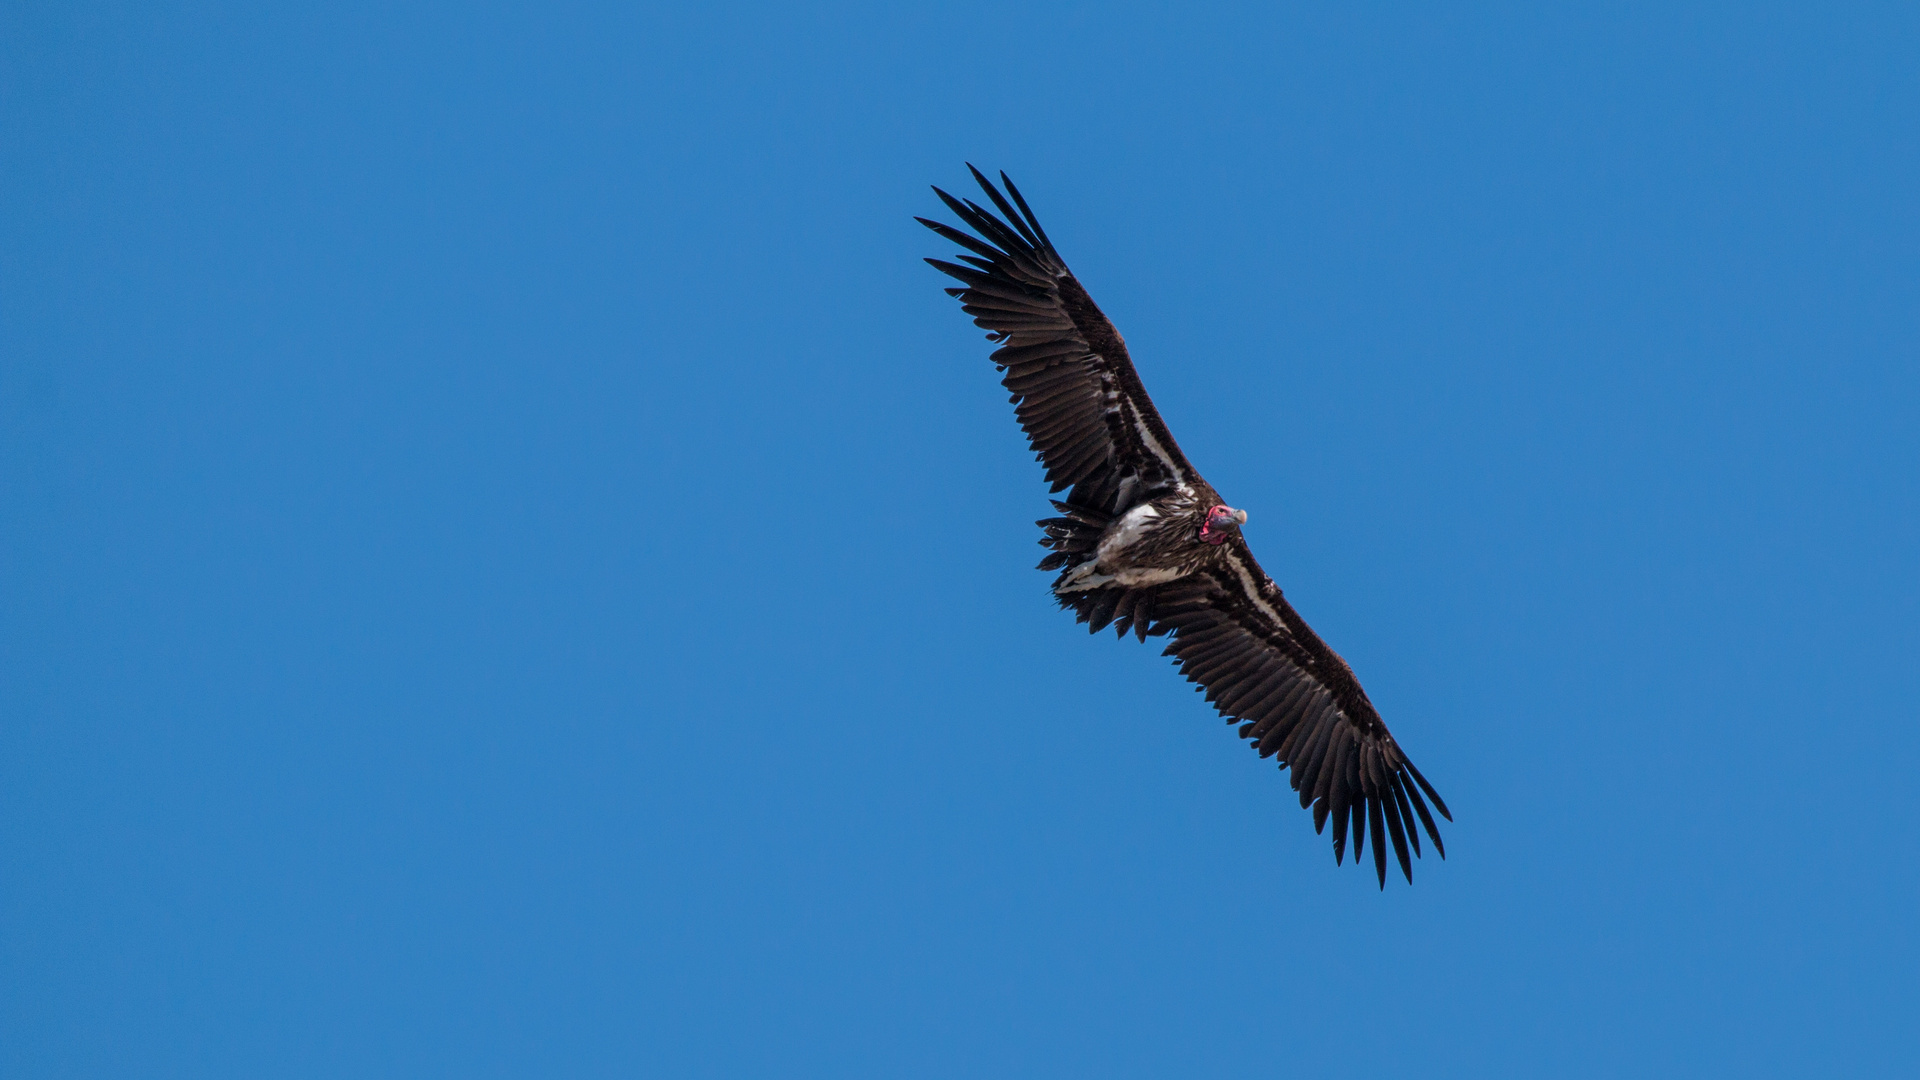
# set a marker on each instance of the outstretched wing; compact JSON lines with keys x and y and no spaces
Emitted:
{"x":1264,"y":668}
{"x":1074,"y":388}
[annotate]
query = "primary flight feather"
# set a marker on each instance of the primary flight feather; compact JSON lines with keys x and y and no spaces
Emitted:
{"x":1143,"y":543}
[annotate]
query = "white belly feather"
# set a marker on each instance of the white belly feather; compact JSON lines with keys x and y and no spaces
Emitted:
{"x":1126,"y":532}
{"x":1132,"y":527}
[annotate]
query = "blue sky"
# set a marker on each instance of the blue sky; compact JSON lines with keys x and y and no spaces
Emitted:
{"x":510,"y":565}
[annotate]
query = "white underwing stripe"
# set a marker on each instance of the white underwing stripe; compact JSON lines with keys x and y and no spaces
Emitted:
{"x":1153,"y":447}
{"x":1254,"y":591}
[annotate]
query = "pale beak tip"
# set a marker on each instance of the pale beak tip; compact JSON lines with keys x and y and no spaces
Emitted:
{"x":1240,"y":516}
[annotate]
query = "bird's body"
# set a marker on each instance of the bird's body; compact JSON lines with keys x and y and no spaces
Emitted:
{"x":1153,"y":543}
{"x":1145,"y":544}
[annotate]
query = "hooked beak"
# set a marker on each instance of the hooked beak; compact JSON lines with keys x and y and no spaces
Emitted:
{"x":1239,"y":517}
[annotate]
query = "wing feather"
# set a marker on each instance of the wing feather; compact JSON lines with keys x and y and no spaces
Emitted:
{"x":1086,"y":415}
{"x":1236,"y":636}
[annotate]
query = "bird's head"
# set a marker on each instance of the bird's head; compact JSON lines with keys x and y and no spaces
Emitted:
{"x":1221,"y":522}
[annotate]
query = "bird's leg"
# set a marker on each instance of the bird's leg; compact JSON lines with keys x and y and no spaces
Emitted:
{"x":1082,"y":577}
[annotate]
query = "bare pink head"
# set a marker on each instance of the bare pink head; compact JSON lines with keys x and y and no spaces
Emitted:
{"x":1221,"y":522}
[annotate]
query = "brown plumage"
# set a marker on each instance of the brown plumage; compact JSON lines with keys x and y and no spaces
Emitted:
{"x":1144,"y":544}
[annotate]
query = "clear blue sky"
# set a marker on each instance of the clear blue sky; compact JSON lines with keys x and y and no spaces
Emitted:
{"x":510,"y":565}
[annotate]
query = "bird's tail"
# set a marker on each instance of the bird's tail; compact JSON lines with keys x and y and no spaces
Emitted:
{"x":1074,"y":539}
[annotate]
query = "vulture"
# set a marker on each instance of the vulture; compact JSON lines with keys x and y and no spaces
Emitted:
{"x":1142,"y":543}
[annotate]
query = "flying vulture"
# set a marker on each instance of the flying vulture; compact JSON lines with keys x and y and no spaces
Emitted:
{"x":1143,"y":543}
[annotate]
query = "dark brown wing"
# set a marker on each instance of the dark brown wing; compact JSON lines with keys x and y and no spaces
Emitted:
{"x":1264,"y":668}
{"x":1074,"y":388}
